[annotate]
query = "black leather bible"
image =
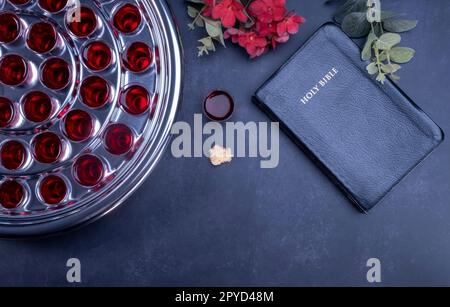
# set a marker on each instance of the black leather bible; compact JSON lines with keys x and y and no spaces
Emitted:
{"x":364,"y":135}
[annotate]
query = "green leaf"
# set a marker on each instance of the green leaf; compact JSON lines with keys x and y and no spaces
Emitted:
{"x":199,"y":22}
{"x":399,"y":25}
{"x":381,"y":78}
{"x":401,"y":55}
{"x":195,"y":14}
{"x":366,"y":53}
{"x":214,"y":29}
{"x":382,"y":57}
{"x":356,"y":25}
{"x":349,"y":7}
{"x":390,"y":68}
{"x":207,"y":45}
{"x":387,"y":14}
{"x":372,"y":68}
{"x":207,"y":42}
{"x":387,"y":41}
{"x":192,"y":11}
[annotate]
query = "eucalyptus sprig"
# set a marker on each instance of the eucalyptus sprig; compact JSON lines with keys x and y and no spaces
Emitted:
{"x":385,"y":55}
{"x":382,"y":42}
{"x":213,"y":27}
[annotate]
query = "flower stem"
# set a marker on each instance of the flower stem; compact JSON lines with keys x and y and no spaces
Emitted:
{"x":199,"y":15}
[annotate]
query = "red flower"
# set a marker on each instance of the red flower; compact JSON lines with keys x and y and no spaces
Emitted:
{"x":266,"y":28}
{"x":268,"y":10}
{"x":279,"y":40}
{"x":207,"y":11}
{"x":289,"y":25}
{"x":254,"y":44}
{"x":228,"y":11}
{"x":273,"y":24}
{"x":232,"y":33}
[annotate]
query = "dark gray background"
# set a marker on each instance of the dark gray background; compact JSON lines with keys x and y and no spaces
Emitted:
{"x":238,"y":225}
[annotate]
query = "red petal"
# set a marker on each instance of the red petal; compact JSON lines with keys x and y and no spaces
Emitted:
{"x":279,"y":13}
{"x":282,"y":39}
{"x":281,"y":28}
{"x":241,"y":16}
{"x":251,"y":50}
{"x":216,"y":12}
{"x":257,"y":8}
{"x":292,"y":28}
{"x":228,"y":19}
